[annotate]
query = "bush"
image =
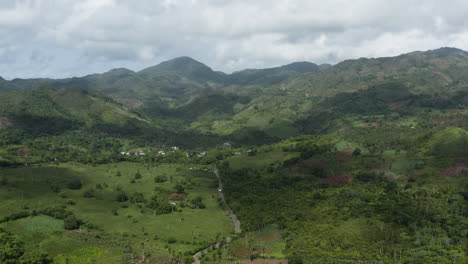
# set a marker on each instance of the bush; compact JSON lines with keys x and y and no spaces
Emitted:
{"x":160,"y":178}
{"x":54,"y":188}
{"x":89,"y":194}
{"x":71,"y":223}
{"x":179,"y":188}
{"x":75,"y":184}
{"x":138,"y":176}
{"x":121,"y":197}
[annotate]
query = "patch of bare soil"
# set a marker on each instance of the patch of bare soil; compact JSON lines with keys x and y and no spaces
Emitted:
{"x":5,"y":123}
{"x":134,"y":103}
{"x":459,"y":167}
{"x":271,"y":237}
{"x":176,"y":196}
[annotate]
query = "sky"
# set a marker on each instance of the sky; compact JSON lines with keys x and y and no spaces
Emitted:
{"x":65,"y":38}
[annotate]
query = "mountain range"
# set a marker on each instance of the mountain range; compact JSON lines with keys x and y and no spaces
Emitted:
{"x":261,"y":105}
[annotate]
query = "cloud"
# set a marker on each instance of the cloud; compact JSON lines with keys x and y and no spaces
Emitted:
{"x":50,"y":38}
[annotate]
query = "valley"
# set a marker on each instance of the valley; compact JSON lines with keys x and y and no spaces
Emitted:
{"x":365,"y":161}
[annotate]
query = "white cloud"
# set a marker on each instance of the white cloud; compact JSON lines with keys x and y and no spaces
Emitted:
{"x":52,"y":38}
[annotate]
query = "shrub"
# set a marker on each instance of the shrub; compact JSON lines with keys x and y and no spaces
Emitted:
{"x":160,"y":178}
{"x":138,"y":176}
{"x":54,"y":188}
{"x":121,"y":197}
{"x":368,"y":176}
{"x":179,"y":188}
{"x":89,"y":194}
{"x":71,"y":223}
{"x":75,"y":184}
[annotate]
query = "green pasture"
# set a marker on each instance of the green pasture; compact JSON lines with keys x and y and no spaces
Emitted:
{"x":39,"y":187}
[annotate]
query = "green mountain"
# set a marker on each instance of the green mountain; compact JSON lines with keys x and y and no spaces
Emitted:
{"x":311,"y":102}
{"x":276,"y":103}
{"x":169,"y":83}
{"x":185,"y":67}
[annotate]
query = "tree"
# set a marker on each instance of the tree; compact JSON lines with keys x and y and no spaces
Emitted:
{"x":179,"y":188}
{"x":11,"y":249}
{"x":138,"y":176}
{"x":121,"y":197}
{"x":71,"y":223}
{"x":160,"y":178}
{"x":357,"y":152}
{"x":36,"y":258}
{"x":198,"y":202}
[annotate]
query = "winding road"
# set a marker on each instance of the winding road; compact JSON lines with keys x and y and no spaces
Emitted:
{"x":234,"y":219}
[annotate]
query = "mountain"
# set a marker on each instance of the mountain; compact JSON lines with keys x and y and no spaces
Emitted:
{"x":47,"y":111}
{"x":186,"y":68}
{"x":172,"y":82}
{"x":423,"y":72}
{"x":276,"y":103}
{"x":272,"y":75}
{"x":312,"y":102}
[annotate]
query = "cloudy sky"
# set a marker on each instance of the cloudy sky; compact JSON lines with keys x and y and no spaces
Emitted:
{"x":63,"y":38}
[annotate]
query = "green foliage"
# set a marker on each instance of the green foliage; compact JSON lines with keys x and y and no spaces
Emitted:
{"x":160,"y":178}
{"x":179,"y":188}
{"x":71,"y":223}
{"x":11,"y":249}
{"x":121,"y":197}
{"x":451,"y":142}
{"x":368,"y":176}
{"x":138,"y":176}
{"x":75,"y":184}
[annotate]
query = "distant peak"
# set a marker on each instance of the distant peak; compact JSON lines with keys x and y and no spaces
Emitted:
{"x":301,"y":67}
{"x":183,"y":58}
{"x":120,"y":70}
{"x":179,"y":64}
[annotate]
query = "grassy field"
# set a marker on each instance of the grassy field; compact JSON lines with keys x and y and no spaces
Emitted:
{"x":264,"y":246}
{"x":185,"y":229}
{"x":260,"y":160}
